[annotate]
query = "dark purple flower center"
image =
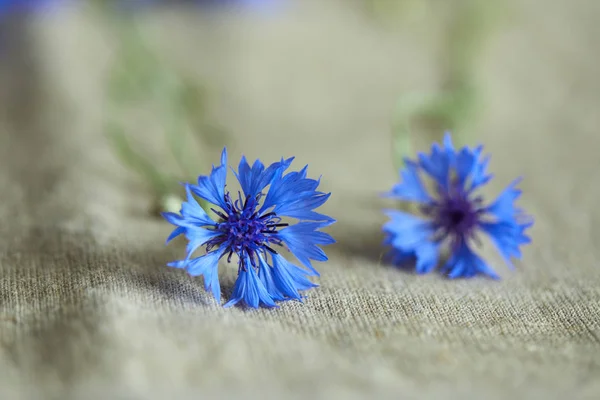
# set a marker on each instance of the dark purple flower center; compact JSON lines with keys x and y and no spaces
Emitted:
{"x":244,"y":232}
{"x":455,"y":215}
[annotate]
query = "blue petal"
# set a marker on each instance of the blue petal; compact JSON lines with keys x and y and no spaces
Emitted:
{"x":290,"y":278}
{"x":507,"y":237}
{"x":192,"y":216}
{"x":193,"y":212}
{"x":523,"y":226}
{"x":212,"y":188}
{"x":438,"y":163}
{"x":254,"y":180}
{"x":246,"y":175}
{"x":303,"y":206}
{"x":442,"y":161}
{"x":176,"y":232}
{"x":224,"y":157}
{"x":448,"y":146}
{"x":410,"y":237}
{"x":463,"y":263}
{"x":173,"y":218}
{"x":397,"y":257}
{"x":479,"y":177}
{"x":176,"y":220}
{"x":265,"y":274}
{"x":411,"y":187}
{"x":504,"y":208}
{"x":287,"y":189}
{"x":465,"y":163}
{"x":207,"y":265}
{"x":408,"y":231}
{"x":197,"y":237}
{"x":427,"y":255}
{"x":302,"y":240}
{"x":249,"y":289}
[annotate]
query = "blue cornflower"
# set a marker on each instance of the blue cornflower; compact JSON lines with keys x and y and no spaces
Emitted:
{"x":252,"y":228}
{"x":454,"y":215}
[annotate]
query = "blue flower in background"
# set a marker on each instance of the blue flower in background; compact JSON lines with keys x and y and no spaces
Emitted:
{"x":10,"y":6}
{"x":251,"y":228}
{"x":245,"y":4}
{"x":454,"y":215}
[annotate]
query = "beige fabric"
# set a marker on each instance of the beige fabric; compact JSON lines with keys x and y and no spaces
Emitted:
{"x":88,"y":309}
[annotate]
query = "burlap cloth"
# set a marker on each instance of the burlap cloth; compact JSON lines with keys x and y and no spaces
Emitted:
{"x":89,"y":310}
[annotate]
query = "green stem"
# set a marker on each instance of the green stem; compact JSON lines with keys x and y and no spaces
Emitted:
{"x":131,"y":158}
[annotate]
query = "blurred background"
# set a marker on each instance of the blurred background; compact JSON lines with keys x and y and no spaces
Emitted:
{"x":105,"y":106}
{"x":166,"y":84}
{"x":157,"y":88}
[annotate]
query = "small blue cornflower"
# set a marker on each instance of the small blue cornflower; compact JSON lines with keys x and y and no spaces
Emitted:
{"x":253,"y":228}
{"x":453,"y":214}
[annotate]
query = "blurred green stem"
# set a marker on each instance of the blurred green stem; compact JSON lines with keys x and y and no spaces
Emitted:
{"x":140,"y":78}
{"x":453,"y":108}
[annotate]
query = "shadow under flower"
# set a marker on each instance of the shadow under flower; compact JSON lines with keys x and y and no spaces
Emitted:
{"x":366,"y":245}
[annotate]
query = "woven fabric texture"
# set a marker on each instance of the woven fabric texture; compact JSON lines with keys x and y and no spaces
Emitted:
{"x":89,"y":310}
